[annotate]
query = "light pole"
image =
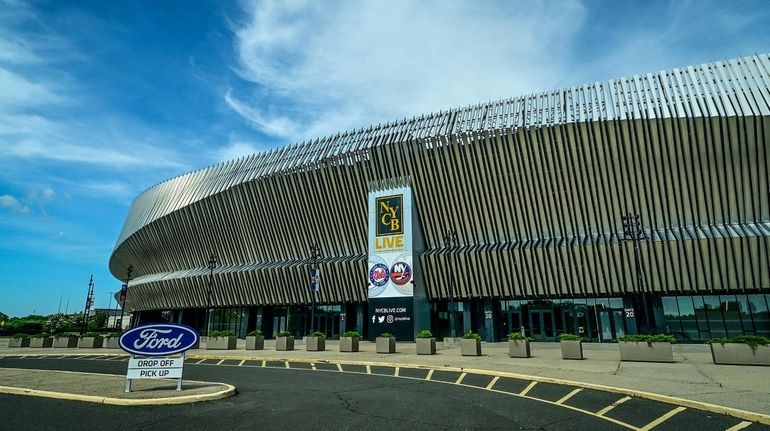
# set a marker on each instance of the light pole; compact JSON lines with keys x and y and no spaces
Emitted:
{"x":632,"y":231}
{"x":124,"y":295}
{"x":212,"y":265}
{"x":315,"y":253}
{"x":450,"y":240}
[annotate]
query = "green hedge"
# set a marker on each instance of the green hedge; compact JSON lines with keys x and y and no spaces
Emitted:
{"x":570,"y":337}
{"x":425,"y":333}
{"x":752,"y":340}
{"x":648,"y":338}
{"x":516,"y":336}
{"x":284,"y":334}
{"x":256,"y":333}
{"x":470,"y":335}
{"x":352,"y":334}
{"x":217,"y":334}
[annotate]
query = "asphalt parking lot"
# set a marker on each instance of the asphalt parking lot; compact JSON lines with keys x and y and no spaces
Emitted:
{"x":286,"y":394}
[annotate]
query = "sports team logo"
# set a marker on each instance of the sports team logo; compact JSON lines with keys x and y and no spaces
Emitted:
{"x":378,"y":275}
{"x":389,"y":211}
{"x":400,"y":273}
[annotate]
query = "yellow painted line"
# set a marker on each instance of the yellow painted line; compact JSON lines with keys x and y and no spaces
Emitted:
{"x":603,"y":411}
{"x":492,"y":383}
{"x":199,"y":361}
{"x":395,"y":373}
{"x":430,"y":374}
{"x":368,"y":369}
{"x":739,"y":426}
{"x":339,"y":367}
{"x":662,"y":419}
{"x":568,"y":396}
{"x":460,"y":379}
{"x":241,"y":363}
{"x":220,"y":362}
{"x":287,"y":364}
{"x":264,"y":364}
{"x":527,"y":389}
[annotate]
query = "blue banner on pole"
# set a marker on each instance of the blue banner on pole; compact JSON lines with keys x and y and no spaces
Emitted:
{"x":315,"y":280}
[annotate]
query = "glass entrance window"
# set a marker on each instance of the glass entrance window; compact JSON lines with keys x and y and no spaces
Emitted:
{"x":702,"y":317}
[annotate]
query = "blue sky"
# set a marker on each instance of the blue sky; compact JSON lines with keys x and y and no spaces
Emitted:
{"x":100,"y":100}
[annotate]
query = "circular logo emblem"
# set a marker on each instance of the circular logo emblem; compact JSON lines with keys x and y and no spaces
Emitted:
{"x":400,"y":273}
{"x":390,"y":318}
{"x":378,"y":275}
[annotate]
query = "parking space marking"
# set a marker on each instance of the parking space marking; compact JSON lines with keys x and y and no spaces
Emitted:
{"x":241,"y":363}
{"x":368,"y":369}
{"x":339,"y":367}
{"x":662,"y":419}
{"x":739,"y":426}
{"x":312,"y":365}
{"x":568,"y":396}
{"x":264,"y":364}
{"x":199,"y":361}
{"x":460,"y":379}
{"x":527,"y":389}
{"x":395,"y":373}
{"x":612,"y":406}
{"x":430,"y":374}
{"x":220,"y":362}
{"x":287,"y":364}
{"x":492,"y":383}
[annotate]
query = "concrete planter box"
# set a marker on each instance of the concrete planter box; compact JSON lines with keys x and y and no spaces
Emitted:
{"x":255,"y":343}
{"x":348,"y":344}
{"x":426,"y":346}
{"x":90,"y":342}
{"x":221,"y":343}
{"x":315,"y":344}
{"x":740,"y":354}
{"x":470,"y":347}
{"x":571,"y":349}
{"x":65,"y":342}
{"x":518,"y":349}
{"x":111,"y":343}
{"x":641,"y":351}
{"x":18,"y":342}
{"x":41,"y":342}
{"x":284,"y":343}
{"x":386,"y":344}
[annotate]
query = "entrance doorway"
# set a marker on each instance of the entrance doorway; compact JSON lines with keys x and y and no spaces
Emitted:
{"x":510,"y":321}
{"x":612,"y":324}
{"x":541,"y":324}
{"x":576,"y":321}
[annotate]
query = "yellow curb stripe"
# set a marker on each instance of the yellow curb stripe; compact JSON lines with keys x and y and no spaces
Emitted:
{"x":739,"y":426}
{"x":492,"y":383}
{"x":460,"y":379}
{"x":568,"y":396}
{"x":241,"y":363}
{"x":612,"y":406}
{"x":527,"y":389}
{"x":662,"y":419}
{"x":430,"y":374}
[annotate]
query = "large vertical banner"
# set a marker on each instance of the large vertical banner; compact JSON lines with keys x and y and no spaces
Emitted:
{"x":391,"y":273}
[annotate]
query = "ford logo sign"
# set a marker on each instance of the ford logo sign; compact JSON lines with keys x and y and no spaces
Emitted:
{"x":158,"y":339}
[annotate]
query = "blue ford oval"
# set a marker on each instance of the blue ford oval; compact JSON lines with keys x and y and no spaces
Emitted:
{"x":159,"y":339}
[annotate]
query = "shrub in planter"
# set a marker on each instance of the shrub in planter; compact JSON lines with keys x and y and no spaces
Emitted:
{"x":221,"y":340}
{"x":349,"y":341}
{"x":255,"y":340}
{"x":571,"y":346}
{"x":646,"y":348}
{"x":470,"y":344}
{"x":386,"y":343}
{"x":19,"y":340}
{"x":518,"y":345}
{"x":90,"y":340}
{"x":426,"y":343}
{"x":65,"y":341}
{"x":315,"y":342}
{"x":741,"y":350}
{"x":41,"y":341}
{"x":284,"y":341}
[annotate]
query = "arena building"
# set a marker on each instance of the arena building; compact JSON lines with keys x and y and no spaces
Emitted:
{"x":634,"y":205}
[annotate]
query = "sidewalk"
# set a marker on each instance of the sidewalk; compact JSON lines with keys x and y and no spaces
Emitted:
{"x":693,"y":376}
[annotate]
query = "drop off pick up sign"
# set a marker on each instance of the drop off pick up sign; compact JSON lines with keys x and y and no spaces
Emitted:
{"x":150,"y":347}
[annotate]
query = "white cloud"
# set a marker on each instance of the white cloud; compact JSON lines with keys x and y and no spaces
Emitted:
{"x":10,"y":202}
{"x":318,"y":68}
{"x":236,"y":150}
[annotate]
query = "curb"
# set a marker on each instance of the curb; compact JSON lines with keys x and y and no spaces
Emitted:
{"x":228,"y":391}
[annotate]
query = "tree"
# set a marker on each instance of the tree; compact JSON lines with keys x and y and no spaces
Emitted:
{"x":98,"y":321}
{"x":3,"y":318}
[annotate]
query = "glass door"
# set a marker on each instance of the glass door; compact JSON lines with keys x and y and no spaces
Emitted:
{"x":541,"y":324}
{"x":576,"y":321}
{"x":612,"y":324}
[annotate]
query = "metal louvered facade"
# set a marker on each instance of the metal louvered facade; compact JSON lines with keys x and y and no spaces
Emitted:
{"x":535,"y":188}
